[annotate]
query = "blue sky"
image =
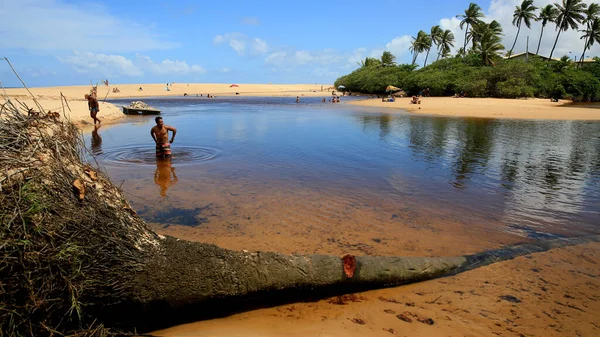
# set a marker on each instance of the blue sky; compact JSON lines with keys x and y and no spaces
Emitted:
{"x":58,"y":42}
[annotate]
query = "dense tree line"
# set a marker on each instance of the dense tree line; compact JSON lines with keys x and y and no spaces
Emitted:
{"x":480,"y":70}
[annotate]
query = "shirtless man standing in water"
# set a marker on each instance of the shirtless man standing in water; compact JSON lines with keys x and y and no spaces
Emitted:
{"x":160,"y":134}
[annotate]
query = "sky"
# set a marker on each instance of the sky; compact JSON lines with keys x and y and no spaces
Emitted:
{"x":65,"y":42}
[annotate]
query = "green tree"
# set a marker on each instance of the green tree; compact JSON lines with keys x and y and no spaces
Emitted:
{"x":591,"y":14}
{"x":369,"y":62}
{"x":570,"y":15}
{"x":489,"y":44}
{"x":472,"y":16}
{"x":446,"y":42}
{"x":388,"y":59}
{"x":419,"y":44}
{"x":523,"y":13}
{"x":436,"y":38}
{"x":547,"y":14}
{"x":426,"y":42}
{"x":591,"y":35}
{"x":480,"y":27}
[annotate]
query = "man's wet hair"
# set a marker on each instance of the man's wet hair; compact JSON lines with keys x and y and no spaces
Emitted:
{"x":157,"y":119}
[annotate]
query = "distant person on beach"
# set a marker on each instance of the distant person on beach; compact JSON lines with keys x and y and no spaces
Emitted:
{"x":297,"y":99}
{"x":160,"y":134}
{"x":94,"y":107}
{"x":323,"y":100}
{"x":415,"y":100}
{"x":426,"y":92}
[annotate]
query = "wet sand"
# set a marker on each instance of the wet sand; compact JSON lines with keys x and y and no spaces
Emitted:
{"x":492,"y":108}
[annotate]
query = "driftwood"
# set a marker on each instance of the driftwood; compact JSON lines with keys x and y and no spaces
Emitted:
{"x":76,"y":259}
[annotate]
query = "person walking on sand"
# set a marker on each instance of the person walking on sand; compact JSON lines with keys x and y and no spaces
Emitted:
{"x":160,"y":134}
{"x":94,"y":107}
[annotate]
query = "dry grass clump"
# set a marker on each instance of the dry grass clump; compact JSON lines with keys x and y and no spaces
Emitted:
{"x":69,"y":243}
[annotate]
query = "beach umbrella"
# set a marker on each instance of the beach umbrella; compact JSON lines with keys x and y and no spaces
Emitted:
{"x":341,"y":87}
{"x":234,"y":85}
{"x":391,"y":88}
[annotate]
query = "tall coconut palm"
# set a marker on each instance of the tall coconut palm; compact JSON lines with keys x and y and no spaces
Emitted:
{"x":523,"y":13}
{"x":570,"y":15}
{"x":427,"y":42}
{"x":591,"y":13}
{"x":472,"y":16}
{"x":419,"y":44}
{"x":489,"y":44}
{"x":480,"y":27}
{"x":446,"y":42}
{"x":591,"y":35}
{"x":548,"y":13}
{"x":436,"y":37}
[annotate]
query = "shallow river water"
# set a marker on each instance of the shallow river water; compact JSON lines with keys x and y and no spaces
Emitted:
{"x":271,"y":174}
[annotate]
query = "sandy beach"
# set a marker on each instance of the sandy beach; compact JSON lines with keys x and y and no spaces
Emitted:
{"x":50,"y":97}
{"x":492,"y":108}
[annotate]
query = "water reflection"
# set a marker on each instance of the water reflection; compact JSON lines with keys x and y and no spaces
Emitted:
{"x":164,"y":176}
{"x":532,"y":173}
{"x":96,"y":140}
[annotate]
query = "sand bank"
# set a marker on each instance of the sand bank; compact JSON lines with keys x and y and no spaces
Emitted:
{"x":493,"y":108}
{"x":49,"y":97}
{"x":554,"y":293}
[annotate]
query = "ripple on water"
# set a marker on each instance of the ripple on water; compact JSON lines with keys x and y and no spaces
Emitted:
{"x":182,"y":155}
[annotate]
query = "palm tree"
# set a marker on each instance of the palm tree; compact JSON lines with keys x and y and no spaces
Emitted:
{"x":523,"y":13}
{"x":591,"y":14}
{"x":436,"y":38}
{"x":472,"y":16}
{"x":489,"y":44}
{"x":427,"y":41}
{"x":369,"y":61}
{"x":445,"y":43}
{"x":419,"y":44}
{"x":591,"y":35}
{"x":388,"y":59}
{"x":547,"y":14}
{"x":570,"y":15}
{"x":480,"y":27}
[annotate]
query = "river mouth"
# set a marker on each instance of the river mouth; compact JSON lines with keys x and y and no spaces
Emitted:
{"x":311,"y":177}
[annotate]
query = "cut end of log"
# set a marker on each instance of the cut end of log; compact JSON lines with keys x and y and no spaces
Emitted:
{"x":349,"y":265}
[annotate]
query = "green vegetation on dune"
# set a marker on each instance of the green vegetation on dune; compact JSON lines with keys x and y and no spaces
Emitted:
{"x":507,"y":79}
{"x":480,"y":70}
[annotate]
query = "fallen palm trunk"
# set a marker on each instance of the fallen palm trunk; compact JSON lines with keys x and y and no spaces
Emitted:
{"x":74,"y":254}
{"x":188,"y":280}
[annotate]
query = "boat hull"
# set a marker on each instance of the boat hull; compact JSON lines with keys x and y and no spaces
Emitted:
{"x":134,"y":111}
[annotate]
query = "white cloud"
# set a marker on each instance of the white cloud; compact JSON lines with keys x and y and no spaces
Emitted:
{"x":251,"y":21}
{"x":106,"y":65}
{"x":168,"y":66}
{"x":399,"y":46}
{"x":117,"y":65}
{"x":242,"y":44}
{"x":51,"y":25}
{"x":259,"y":46}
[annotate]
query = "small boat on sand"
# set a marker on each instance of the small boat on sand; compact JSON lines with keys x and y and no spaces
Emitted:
{"x":140,"y":108}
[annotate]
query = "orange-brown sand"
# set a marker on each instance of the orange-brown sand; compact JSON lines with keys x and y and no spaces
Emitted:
{"x":492,"y":108}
